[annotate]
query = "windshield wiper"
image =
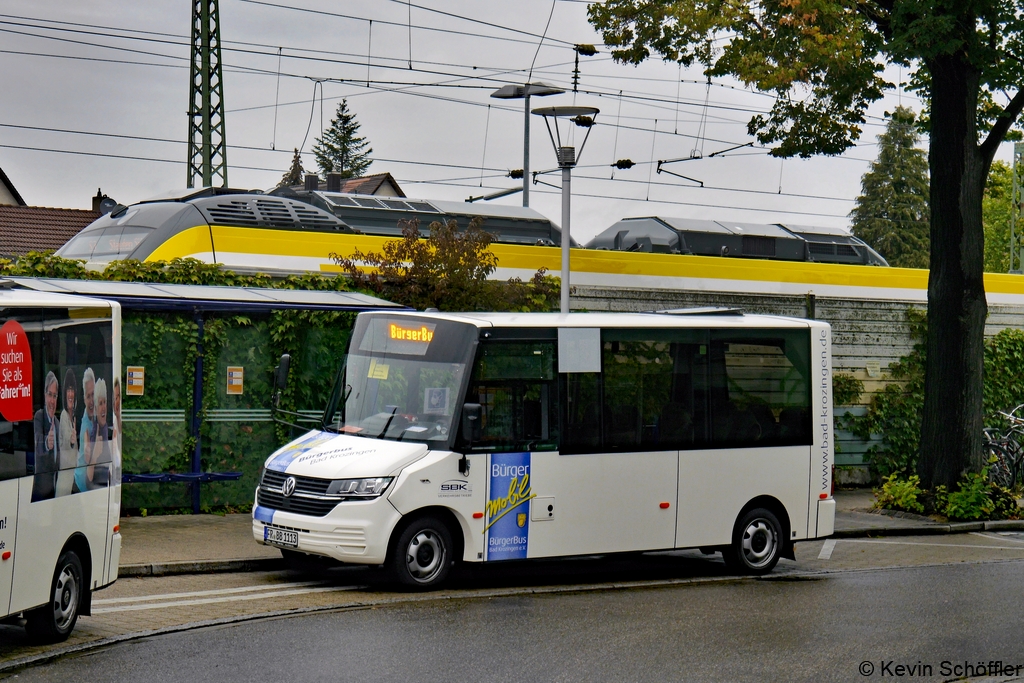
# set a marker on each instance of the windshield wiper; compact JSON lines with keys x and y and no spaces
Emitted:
{"x":387,"y":424}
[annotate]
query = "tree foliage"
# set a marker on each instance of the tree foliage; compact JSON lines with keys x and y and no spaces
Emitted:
{"x":996,"y":206}
{"x":447,"y":270}
{"x":824,"y":60}
{"x":341,"y":149}
{"x":891,"y":213}
{"x":295,"y":173}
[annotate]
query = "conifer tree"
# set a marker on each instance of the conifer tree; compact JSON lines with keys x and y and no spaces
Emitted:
{"x":341,"y":149}
{"x":295,"y":173}
{"x":892,"y":212}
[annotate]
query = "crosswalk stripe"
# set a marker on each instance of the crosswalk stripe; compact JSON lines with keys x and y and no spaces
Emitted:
{"x":216,"y":591}
{"x":827,"y":548}
{"x":210,"y":601}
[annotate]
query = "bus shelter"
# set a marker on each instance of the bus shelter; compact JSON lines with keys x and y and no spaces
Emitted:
{"x":196,"y":366}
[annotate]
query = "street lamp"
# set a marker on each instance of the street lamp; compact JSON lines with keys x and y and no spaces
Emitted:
{"x":583,"y":117}
{"x":523,"y":92}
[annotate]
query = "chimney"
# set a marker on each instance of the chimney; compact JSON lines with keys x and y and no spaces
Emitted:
{"x":97,"y":199}
{"x":312,"y":182}
{"x":334,"y":182}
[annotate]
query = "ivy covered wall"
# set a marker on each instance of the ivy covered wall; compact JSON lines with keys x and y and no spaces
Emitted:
{"x":236,"y":432}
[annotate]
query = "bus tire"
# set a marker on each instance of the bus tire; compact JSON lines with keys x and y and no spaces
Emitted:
{"x":756,"y":543}
{"x":423,"y":554}
{"x":54,"y":621}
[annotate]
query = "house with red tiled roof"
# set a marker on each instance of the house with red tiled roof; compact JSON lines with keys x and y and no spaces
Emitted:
{"x":38,"y":228}
{"x":379,"y":184}
{"x":8,"y":194}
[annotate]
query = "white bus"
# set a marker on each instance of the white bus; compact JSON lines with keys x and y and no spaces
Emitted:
{"x":60,"y":456}
{"x":491,"y":437}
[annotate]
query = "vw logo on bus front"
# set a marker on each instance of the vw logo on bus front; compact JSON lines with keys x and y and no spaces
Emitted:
{"x":288,"y":488}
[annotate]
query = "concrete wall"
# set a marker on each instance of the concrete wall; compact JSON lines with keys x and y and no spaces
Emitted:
{"x":864,"y":332}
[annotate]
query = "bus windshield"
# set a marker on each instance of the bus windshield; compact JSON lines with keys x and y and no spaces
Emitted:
{"x":403,"y":379}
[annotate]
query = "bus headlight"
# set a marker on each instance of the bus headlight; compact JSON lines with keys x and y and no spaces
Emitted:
{"x":359,"y":488}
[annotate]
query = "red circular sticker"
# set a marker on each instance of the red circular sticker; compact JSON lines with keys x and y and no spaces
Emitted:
{"x":15,"y":373}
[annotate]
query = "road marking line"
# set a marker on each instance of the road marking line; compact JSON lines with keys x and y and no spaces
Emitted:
{"x":827,"y":548}
{"x":210,"y":601}
{"x":216,"y":591}
{"x":997,"y":537}
{"x":940,"y":545}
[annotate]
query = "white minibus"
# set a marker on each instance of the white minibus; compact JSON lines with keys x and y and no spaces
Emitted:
{"x":60,"y":456}
{"x":501,"y":436}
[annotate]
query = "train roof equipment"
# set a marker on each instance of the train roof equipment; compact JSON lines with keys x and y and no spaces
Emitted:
{"x":776,"y":241}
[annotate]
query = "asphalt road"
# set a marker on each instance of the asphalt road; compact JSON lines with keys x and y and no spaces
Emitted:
{"x":826,"y":627}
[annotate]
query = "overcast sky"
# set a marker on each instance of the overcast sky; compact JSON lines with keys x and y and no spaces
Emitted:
{"x":419,"y":82}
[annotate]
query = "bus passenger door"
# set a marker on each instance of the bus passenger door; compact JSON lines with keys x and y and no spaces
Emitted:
{"x":8,"y":529}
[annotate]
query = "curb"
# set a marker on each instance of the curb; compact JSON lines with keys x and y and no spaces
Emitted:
{"x":199,"y":567}
{"x":930,"y":529}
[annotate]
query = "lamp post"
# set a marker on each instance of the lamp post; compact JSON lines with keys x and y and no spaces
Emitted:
{"x":523,"y":92}
{"x":583,"y":117}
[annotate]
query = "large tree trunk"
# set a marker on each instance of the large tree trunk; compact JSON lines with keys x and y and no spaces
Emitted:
{"x":952,"y":419}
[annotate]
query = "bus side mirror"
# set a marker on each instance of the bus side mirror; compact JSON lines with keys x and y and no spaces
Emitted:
{"x":281,"y":377}
{"x":471,"y":423}
{"x":471,"y":431}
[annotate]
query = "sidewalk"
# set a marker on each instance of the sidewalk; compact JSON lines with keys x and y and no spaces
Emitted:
{"x":197,"y":544}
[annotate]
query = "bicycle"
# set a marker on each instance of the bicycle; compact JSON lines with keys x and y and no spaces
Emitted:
{"x":1003,"y":450}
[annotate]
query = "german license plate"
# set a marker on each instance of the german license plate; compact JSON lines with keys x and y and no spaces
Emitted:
{"x":280,"y":537}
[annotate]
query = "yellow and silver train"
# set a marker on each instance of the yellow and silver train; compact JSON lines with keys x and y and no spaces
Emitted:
{"x":298,"y":231}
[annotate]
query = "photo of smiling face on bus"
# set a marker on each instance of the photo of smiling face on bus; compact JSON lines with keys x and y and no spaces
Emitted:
{"x":51,"y":445}
{"x":401,"y":380}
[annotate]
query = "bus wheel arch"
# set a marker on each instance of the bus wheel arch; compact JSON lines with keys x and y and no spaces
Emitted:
{"x":69,"y":594}
{"x":424,"y":546}
{"x":761,"y":536}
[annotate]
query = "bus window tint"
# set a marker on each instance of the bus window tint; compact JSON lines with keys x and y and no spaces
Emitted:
{"x":650,"y":395}
{"x":760,"y":389}
{"x":515,"y":384}
{"x":582,"y":433}
{"x":654,"y":389}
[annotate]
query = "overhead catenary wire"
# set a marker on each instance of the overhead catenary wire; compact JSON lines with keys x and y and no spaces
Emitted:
{"x":277,"y":99}
{"x":650,"y":100}
{"x":376,"y":87}
{"x":483,"y":158}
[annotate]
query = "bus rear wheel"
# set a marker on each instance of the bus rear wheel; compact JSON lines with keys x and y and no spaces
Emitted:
{"x":423,"y":554}
{"x":756,"y":544}
{"x":54,"y":621}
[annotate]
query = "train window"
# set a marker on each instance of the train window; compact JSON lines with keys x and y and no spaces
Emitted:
{"x":115,"y":241}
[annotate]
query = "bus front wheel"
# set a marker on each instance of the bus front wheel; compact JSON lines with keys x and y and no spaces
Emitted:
{"x":422,"y":557}
{"x":756,"y":544}
{"x":54,"y":621}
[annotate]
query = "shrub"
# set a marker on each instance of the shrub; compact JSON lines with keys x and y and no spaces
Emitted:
{"x":900,"y":494}
{"x":972,"y":500}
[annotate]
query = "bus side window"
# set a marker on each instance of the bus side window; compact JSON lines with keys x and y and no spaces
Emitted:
{"x":13,"y":463}
{"x":760,"y":388}
{"x":515,"y":382}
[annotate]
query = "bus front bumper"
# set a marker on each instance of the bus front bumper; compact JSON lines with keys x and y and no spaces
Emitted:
{"x":356,"y":532}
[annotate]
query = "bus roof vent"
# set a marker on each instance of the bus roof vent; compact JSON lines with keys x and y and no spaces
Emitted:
{"x":702,"y":310}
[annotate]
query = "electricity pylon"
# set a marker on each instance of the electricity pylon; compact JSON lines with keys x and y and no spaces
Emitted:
{"x":207,"y":146}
